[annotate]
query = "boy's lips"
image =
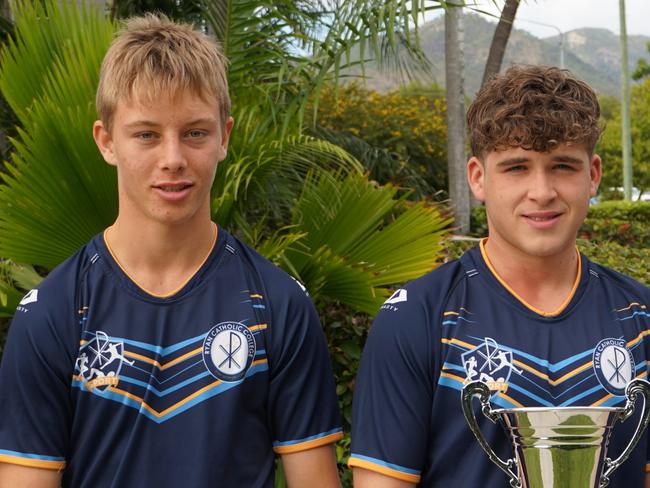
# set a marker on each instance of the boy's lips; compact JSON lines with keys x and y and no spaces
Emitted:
{"x":173,"y":190}
{"x":172,"y":185}
{"x":542,"y":220}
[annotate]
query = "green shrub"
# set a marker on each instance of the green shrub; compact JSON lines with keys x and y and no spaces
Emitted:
{"x":631,"y":261}
{"x":478,"y":222}
{"x":622,"y":210}
{"x":623,"y":232}
{"x":622,"y":222}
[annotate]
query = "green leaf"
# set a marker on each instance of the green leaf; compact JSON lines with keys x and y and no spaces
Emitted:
{"x":58,"y":191}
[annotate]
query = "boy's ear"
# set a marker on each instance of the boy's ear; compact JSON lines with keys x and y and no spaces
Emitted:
{"x":476,"y":178}
{"x":104,"y":142}
{"x":595,"y":173}
{"x":225,"y":133}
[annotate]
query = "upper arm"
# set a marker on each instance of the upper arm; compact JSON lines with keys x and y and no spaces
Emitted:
{"x":364,"y":478}
{"x":314,"y":467}
{"x":394,"y":393}
{"x":303,"y":407}
{"x":35,"y":378}
{"x":14,"y":476}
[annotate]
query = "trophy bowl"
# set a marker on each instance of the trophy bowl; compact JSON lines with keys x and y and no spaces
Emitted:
{"x":558,"y":447}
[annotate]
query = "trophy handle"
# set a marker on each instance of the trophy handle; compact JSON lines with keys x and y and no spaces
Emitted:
{"x":632,"y":389}
{"x":480,"y":389}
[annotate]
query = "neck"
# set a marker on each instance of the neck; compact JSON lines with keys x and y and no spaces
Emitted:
{"x":160,"y":258}
{"x":544,"y":283}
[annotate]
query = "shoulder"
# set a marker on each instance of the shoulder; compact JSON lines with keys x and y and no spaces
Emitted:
{"x":277,"y":283}
{"x":46,"y":317}
{"x":58,"y":289}
{"x":408,"y":321}
{"x":618,"y":281}
{"x":425,"y":295}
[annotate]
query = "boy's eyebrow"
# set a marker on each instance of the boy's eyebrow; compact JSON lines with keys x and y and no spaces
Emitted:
{"x":151,"y":123}
{"x":202,"y":120}
{"x":564,"y":158}
{"x":514,"y":160}
{"x":140,"y":123}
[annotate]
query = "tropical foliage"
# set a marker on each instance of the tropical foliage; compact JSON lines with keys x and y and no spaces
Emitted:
{"x":58,"y":191}
{"x":609,"y":147}
{"x":408,"y":123}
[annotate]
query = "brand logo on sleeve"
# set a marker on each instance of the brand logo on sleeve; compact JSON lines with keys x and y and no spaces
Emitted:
{"x":228,"y":351}
{"x":614,"y":365}
{"x":399,"y":296}
{"x":100,"y":361}
{"x":30,"y":297}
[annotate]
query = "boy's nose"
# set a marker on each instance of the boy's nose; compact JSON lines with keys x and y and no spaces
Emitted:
{"x":542,"y":188}
{"x":172,"y":158}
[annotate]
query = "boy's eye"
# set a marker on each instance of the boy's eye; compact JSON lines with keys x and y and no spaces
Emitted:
{"x":196,"y":133}
{"x":145,"y":136}
{"x":564,"y":166}
{"x":516,"y":168}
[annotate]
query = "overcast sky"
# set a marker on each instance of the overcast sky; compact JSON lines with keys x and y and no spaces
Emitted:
{"x":567,"y":15}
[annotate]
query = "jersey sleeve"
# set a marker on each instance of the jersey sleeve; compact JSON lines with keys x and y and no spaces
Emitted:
{"x":303,"y":405}
{"x":35,"y":377}
{"x":394,"y":391}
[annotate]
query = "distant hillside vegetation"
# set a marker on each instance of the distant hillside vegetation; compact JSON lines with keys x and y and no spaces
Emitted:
{"x":592,"y":54}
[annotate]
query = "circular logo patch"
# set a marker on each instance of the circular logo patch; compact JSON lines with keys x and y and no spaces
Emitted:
{"x":228,"y":351}
{"x":614,"y":365}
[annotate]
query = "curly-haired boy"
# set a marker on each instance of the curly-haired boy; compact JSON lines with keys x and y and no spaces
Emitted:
{"x":524,"y":311}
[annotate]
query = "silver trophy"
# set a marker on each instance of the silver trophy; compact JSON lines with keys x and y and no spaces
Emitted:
{"x":558,"y":447}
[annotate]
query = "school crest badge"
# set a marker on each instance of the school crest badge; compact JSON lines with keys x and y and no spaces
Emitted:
{"x":228,"y":351}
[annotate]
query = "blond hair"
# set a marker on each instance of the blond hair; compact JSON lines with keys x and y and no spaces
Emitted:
{"x":153,"y":56}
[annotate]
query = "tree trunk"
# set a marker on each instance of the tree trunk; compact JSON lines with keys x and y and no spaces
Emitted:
{"x":500,"y":39}
{"x":456,"y":154}
{"x":626,"y":130}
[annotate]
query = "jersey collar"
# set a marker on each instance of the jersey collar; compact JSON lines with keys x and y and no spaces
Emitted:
{"x":538,"y":311}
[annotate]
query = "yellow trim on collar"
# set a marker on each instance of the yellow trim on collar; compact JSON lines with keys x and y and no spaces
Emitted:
{"x":538,"y":311}
{"x":177,"y":289}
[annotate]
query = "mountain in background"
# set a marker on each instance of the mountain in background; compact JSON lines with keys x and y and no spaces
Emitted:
{"x":592,"y":54}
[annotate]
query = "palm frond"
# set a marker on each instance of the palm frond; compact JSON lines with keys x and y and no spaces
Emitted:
{"x":58,"y":191}
{"x":360,"y":238}
{"x":264,"y":172}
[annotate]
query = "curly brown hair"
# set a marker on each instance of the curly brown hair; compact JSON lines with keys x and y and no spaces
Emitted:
{"x":535,"y":108}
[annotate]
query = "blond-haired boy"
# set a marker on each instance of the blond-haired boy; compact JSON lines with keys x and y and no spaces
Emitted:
{"x":165,"y":352}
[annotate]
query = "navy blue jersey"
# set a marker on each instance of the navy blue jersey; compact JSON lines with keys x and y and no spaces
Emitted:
{"x":460,"y":323}
{"x":120,"y":388}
